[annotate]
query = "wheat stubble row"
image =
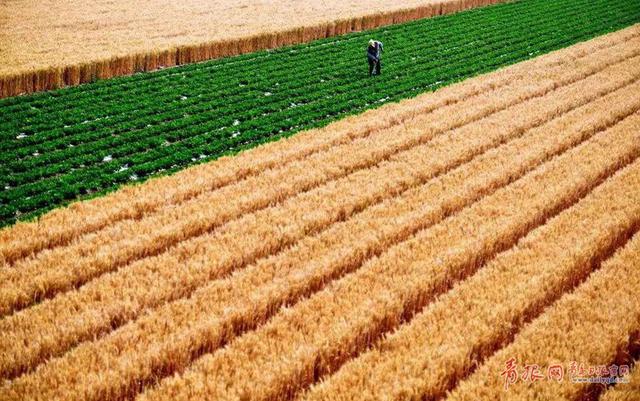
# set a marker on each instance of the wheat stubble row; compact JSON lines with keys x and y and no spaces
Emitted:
{"x":317,"y":335}
{"x":61,"y":226}
{"x":58,"y":270}
{"x":442,"y":344}
{"x":595,"y":325}
{"x":68,"y":319}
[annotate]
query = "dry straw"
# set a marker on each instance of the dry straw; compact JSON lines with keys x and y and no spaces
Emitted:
{"x":596,"y":325}
{"x":477,"y":317}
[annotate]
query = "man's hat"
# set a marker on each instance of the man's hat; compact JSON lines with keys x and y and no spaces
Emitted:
{"x":372,"y":42}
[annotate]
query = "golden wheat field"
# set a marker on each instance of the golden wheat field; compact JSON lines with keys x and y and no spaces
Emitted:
{"x":49,"y":44}
{"x":467,"y":244}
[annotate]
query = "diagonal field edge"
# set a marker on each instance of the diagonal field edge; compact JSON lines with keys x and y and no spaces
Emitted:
{"x":43,"y":294}
{"x":61,"y":234}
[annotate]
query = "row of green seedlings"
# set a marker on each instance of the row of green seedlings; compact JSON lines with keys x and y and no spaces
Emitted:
{"x":194,"y":150}
{"x":204,"y":98}
{"x":140,"y":83}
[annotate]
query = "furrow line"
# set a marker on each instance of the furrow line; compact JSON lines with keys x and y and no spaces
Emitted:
{"x":600,"y":338}
{"x":64,"y":269}
{"x":67,"y":320}
{"x":60,"y":227}
{"x":480,"y":315}
{"x":317,"y":335}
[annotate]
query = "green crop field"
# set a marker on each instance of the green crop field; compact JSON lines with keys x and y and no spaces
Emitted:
{"x":77,"y":142}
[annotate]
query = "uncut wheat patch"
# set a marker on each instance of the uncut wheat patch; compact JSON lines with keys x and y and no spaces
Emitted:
{"x":444,"y":343}
{"x":573,"y":329}
{"x":283,"y":278}
{"x":61,"y":226}
{"x":317,"y":335}
{"x":76,"y":44}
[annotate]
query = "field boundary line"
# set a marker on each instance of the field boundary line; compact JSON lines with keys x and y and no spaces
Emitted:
{"x":75,"y":74}
{"x":24,"y":238}
{"x":48,"y":282}
{"x":579,"y":135}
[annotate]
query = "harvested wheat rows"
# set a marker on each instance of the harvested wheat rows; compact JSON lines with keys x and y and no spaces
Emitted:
{"x":405,"y":253}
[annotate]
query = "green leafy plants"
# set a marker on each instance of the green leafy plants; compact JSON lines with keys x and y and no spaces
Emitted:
{"x":63,"y":145}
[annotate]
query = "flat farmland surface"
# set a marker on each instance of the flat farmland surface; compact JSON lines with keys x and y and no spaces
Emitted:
{"x":404,"y":253}
{"x":51,"y":43}
{"x":78,"y":142}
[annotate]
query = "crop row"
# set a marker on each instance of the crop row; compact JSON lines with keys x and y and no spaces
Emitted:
{"x":41,"y":166}
{"x":230,"y":82}
{"x":491,"y":306}
{"x":316,"y":336}
{"x":127,"y":373}
{"x":599,"y":339}
{"x":66,"y":311}
{"x":61,"y":226}
{"x":235,"y":67}
{"x":345,"y":91}
{"x":64,"y":268}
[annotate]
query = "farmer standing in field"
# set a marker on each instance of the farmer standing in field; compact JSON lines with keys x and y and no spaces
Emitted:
{"x":374,"y":52}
